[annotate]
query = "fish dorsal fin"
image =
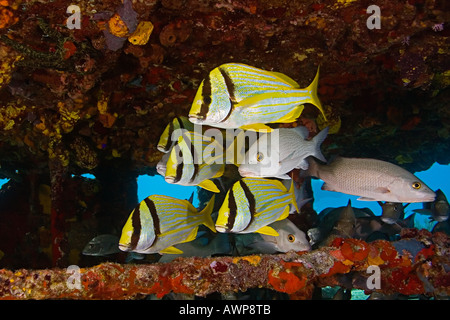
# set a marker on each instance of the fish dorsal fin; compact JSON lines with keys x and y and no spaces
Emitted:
{"x":256,"y":127}
{"x":209,"y":185}
{"x":171,"y":250}
{"x":268,"y":231}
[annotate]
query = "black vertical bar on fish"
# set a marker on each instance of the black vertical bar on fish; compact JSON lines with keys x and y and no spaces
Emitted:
{"x":233,"y":210}
{"x":206,"y":97}
{"x":231,"y":89}
{"x":152,"y":208}
{"x":136,"y":224}
{"x":196,"y":160}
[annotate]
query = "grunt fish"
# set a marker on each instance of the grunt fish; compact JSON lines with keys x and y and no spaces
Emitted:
{"x":439,"y":209}
{"x":236,"y":95}
{"x":183,"y":168}
{"x":172,"y":131}
{"x":160,"y":222}
{"x":371,"y":179}
{"x":290,"y":238}
{"x":293,"y":149}
{"x":102,"y":245}
{"x":392,"y":211}
{"x":339,"y":221}
{"x":252,"y":204}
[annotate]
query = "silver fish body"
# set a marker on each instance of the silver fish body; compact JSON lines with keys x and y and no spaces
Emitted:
{"x":265,"y":159}
{"x":371,"y":179}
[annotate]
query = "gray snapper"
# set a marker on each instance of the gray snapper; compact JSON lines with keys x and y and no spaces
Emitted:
{"x":371,"y":179}
{"x":293,"y":148}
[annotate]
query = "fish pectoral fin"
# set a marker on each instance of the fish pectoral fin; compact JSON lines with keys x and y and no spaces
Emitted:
{"x":382,"y":190}
{"x":256,"y":127}
{"x":268,"y":230}
{"x":171,"y":250}
{"x":209,"y":185}
{"x":366,"y":199}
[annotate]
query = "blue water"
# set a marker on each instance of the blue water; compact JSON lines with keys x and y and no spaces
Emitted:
{"x":436,"y":178}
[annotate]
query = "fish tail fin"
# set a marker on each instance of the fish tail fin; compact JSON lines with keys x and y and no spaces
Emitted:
{"x":206,"y":213}
{"x":313,"y":169}
{"x":312,"y":89}
{"x":292,"y":193}
{"x":318,"y":139}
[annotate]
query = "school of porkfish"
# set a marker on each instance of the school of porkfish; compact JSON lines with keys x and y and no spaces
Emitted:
{"x":256,"y":208}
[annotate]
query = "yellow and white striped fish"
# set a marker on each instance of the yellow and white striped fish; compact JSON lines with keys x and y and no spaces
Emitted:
{"x":254,"y":203}
{"x":236,"y":95}
{"x":171,"y":132}
{"x":191,"y":161}
{"x":159,"y":222}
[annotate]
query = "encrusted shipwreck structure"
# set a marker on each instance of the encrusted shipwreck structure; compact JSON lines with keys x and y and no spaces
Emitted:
{"x":416,"y":264}
{"x":93,"y":95}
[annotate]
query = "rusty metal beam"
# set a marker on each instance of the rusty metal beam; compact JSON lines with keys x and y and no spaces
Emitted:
{"x":417,"y":264}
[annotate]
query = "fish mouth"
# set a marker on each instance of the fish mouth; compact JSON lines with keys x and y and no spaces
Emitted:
{"x":221,"y":229}
{"x":124,"y":247}
{"x":194,"y":118}
{"x":169,"y":179}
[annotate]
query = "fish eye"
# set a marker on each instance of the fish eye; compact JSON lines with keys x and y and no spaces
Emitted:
{"x":291,"y":238}
{"x":416,"y":185}
{"x":259,"y":157}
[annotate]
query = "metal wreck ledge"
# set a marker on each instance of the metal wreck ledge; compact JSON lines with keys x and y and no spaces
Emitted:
{"x":418,"y":263}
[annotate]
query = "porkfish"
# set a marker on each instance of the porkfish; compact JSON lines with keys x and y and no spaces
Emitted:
{"x":252,"y":204}
{"x":236,"y":95}
{"x":172,"y":131}
{"x":371,"y":180}
{"x":194,"y":160}
{"x":159,"y":222}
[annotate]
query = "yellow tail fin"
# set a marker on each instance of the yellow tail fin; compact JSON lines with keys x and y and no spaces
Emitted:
{"x":312,"y":88}
{"x":206,"y":212}
{"x":292,"y":192}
